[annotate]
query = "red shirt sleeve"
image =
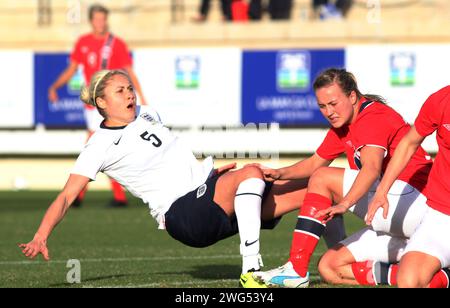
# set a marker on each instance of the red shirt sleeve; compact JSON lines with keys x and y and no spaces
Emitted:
{"x":76,"y":55}
{"x":121,"y":54}
{"x":331,"y":147}
{"x":430,"y":114}
{"x":376,"y":128}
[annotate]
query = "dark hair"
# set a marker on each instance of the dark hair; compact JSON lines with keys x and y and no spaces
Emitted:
{"x":346,"y":81}
{"x":97,"y":8}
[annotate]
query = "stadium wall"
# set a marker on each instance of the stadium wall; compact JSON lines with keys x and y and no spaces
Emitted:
{"x":213,"y":96}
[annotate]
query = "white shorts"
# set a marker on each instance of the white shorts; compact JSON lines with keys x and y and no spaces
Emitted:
{"x":431,"y":237}
{"x":93,"y":119}
{"x":367,"y":244}
{"x":407,"y":206}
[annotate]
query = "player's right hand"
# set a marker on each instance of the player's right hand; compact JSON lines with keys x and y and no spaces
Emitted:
{"x":378,"y":200}
{"x":270,"y":174}
{"x":52,"y":95}
{"x":35,"y":247}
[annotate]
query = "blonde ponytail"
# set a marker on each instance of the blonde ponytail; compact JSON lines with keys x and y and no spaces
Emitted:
{"x":97,"y":86}
{"x":85,"y":97}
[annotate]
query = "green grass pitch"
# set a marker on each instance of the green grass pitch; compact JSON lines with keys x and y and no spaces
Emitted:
{"x":123,"y":248}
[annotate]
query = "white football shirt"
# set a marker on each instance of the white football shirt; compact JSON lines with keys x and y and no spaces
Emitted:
{"x":145,"y":158}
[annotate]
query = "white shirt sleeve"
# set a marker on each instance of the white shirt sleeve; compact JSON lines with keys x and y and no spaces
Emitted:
{"x":90,"y":162}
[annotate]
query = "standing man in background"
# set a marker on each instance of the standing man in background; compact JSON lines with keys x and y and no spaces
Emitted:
{"x":96,"y":51}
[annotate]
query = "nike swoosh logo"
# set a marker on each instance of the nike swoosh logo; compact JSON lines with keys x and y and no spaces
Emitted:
{"x":118,"y":141}
{"x":249,"y":244}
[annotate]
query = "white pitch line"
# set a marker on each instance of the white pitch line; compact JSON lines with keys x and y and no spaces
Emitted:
{"x":173,"y":284}
{"x":167,"y":258}
{"x":159,"y":284}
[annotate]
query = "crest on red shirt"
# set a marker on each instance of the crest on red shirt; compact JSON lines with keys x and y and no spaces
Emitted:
{"x":92,"y":59}
{"x":447,"y":127}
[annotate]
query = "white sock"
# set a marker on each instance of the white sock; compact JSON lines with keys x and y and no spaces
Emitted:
{"x":247,"y":206}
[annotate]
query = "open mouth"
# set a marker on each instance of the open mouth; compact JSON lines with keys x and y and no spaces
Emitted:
{"x":130,"y":106}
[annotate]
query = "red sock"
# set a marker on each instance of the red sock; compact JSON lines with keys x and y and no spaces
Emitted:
{"x":82,"y":194}
{"x":118,"y":191}
{"x":308,"y":231}
{"x":441,"y":279}
{"x":363,"y":273}
{"x":370,"y":273}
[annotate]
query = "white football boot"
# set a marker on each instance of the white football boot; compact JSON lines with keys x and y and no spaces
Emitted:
{"x":282,"y":277}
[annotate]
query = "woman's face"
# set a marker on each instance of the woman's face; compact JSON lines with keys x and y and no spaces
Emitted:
{"x":119,"y":102}
{"x":336,"y":106}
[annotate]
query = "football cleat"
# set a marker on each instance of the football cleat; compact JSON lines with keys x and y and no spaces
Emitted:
{"x":282,"y":277}
{"x":77,"y":203}
{"x":247,"y":281}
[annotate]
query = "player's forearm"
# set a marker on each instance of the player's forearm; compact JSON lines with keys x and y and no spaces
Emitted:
{"x":65,"y":76}
{"x":62,"y":80}
{"x":53,"y":216}
{"x":363,"y":182}
{"x":292,"y":173}
{"x":403,"y":153}
{"x":301,"y":170}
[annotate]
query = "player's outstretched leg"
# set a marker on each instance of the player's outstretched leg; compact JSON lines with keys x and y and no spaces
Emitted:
{"x":241,"y":192}
{"x":324,"y":186}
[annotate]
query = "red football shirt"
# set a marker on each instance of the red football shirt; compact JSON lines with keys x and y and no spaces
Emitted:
{"x":88,"y":52}
{"x":435,"y":116}
{"x":381,"y":126}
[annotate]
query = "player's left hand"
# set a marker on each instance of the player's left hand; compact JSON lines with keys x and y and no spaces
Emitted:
{"x":330,"y":212}
{"x":225,"y":168}
{"x":379,"y":200}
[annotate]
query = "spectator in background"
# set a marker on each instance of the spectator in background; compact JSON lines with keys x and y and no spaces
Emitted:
{"x":278,"y":9}
{"x":96,"y":51}
{"x":255,"y":10}
{"x":204,"y":10}
{"x":331,"y":9}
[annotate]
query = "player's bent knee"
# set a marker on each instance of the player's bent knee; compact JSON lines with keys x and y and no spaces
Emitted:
{"x":327,"y":270}
{"x":319,"y":176}
{"x":408,"y":281}
{"x":250,"y":172}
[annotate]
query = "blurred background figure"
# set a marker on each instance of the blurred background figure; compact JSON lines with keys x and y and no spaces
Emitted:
{"x":255,"y":10}
{"x":204,"y":10}
{"x":280,"y":9}
{"x":95,"y":51}
{"x":277,"y":9}
{"x":331,"y":9}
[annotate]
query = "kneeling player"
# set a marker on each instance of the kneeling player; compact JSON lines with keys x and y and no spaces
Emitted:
{"x":368,"y":132}
{"x":370,"y":258}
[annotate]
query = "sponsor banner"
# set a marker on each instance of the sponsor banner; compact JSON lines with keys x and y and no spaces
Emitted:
{"x":277,"y":85}
{"x":192,"y":87}
{"x":16,"y":101}
{"x":405,"y":75}
{"x":68,"y":112}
